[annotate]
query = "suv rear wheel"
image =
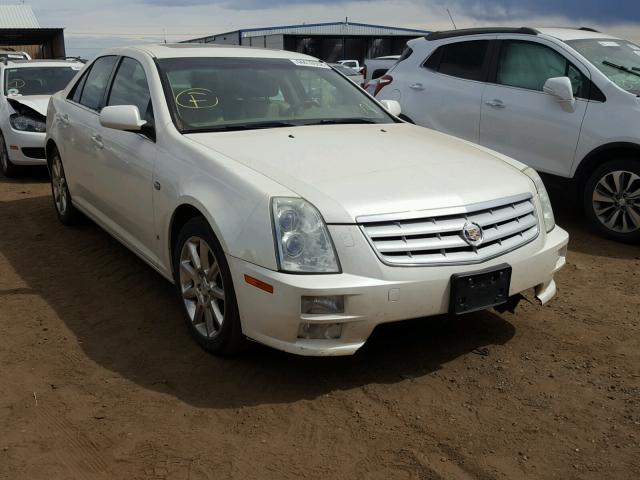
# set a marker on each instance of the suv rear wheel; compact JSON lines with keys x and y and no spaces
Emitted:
{"x":612,"y":200}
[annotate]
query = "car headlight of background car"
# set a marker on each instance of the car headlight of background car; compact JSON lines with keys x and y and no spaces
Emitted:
{"x":303,"y":242}
{"x":27,"y":124}
{"x":545,"y":202}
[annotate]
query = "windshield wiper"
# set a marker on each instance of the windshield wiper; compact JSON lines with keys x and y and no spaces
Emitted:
{"x":632,"y":70}
{"x":241,"y":126}
{"x":337,"y":121}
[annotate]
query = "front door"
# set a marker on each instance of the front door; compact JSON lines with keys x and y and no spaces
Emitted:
{"x":520,"y":120}
{"x":126,"y":165}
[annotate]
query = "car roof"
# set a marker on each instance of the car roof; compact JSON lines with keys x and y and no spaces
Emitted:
{"x":41,"y":63}
{"x":560,"y":33}
{"x":566,"y":34}
{"x":182,"y":50}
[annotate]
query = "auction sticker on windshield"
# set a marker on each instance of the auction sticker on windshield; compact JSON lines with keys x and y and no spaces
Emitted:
{"x":303,"y":62}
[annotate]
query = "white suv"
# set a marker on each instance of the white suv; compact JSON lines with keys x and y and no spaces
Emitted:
{"x":234,"y":173}
{"x":563,"y":101}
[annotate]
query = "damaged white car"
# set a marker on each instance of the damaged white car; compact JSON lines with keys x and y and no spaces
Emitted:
{"x":26,"y":88}
{"x":287,"y":205}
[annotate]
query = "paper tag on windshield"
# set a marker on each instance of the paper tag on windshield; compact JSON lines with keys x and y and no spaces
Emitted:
{"x":609,"y":44}
{"x":303,"y":62}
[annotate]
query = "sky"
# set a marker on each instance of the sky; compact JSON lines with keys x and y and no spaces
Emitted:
{"x":92,"y":25}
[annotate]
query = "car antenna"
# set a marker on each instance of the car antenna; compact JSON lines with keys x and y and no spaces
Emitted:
{"x":451,"y":17}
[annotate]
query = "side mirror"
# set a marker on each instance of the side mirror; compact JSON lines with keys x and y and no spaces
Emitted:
{"x":392,"y":106}
{"x":561,"y":88}
{"x":122,"y":117}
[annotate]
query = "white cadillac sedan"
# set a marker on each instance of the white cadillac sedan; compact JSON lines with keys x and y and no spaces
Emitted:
{"x":287,"y":205}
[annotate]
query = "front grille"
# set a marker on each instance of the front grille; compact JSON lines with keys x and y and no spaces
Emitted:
{"x":33,"y":152}
{"x":436,"y":237}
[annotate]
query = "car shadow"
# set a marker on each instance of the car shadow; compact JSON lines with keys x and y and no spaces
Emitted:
{"x":28,"y":174}
{"x":582,"y":239}
{"x":126,"y":318}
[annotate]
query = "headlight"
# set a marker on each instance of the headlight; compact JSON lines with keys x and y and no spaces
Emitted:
{"x":302,"y":238}
{"x":545,"y":202}
{"x":27,"y":124}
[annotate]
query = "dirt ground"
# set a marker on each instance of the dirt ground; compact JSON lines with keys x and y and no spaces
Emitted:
{"x":99,"y":378}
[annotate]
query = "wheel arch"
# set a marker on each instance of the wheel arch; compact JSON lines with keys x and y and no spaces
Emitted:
{"x":49,"y":148}
{"x":180,"y":216}
{"x":601,"y":154}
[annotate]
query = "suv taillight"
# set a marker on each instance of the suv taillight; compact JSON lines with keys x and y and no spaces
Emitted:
{"x":382,"y":82}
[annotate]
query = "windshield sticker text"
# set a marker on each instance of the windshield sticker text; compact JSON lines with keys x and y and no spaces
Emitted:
{"x":303,"y":62}
{"x":609,"y":44}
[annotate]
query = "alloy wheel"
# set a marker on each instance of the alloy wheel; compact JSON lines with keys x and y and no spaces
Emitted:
{"x":59,"y":184}
{"x":616,"y":201}
{"x":202,"y":287}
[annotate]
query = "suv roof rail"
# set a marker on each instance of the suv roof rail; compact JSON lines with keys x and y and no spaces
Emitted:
{"x":478,"y":31}
{"x":589,"y":29}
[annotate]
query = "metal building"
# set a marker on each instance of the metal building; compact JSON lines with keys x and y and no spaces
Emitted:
{"x":20,"y":30}
{"x":327,"y":41}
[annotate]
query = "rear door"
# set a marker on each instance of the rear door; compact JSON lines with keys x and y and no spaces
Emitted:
{"x":522,"y":121}
{"x":445,"y":92}
{"x":79,"y":118}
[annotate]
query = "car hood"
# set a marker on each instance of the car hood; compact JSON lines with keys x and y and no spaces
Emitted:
{"x":348,"y":171}
{"x":39,"y":103}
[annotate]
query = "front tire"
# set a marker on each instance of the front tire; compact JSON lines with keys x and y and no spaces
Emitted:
{"x":67,"y":213}
{"x":9,"y":170}
{"x":612,"y":200}
{"x":205,"y":289}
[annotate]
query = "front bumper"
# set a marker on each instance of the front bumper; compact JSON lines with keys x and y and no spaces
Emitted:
{"x":25,"y":148}
{"x":374,"y":293}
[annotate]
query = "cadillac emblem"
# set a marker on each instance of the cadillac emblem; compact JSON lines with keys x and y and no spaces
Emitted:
{"x":472,"y":234}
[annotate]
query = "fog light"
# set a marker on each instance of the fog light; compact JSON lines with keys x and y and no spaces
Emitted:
{"x":328,"y":305}
{"x":319,"y":331}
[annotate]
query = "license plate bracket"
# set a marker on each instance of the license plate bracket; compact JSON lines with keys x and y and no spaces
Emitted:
{"x":480,"y":290}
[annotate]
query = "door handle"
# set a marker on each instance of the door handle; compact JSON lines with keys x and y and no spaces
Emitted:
{"x":64,"y":119}
{"x":496,"y":103}
{"x":97,"y":140}
{"x":417,"y":86}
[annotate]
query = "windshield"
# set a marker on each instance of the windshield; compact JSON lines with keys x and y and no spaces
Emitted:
{"x":619,"y":60}
{"x":37,"y":80}
{"x":210,"y":94}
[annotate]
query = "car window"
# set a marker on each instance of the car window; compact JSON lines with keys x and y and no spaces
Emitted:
{"x":40,"y":80}
{"x":238,"y":93}
{"x":462,"y":59}
{"x":529,"y":65}
{"x":96,"y":83}
{"x":130,"y":87}
{"x":619,"y":60}
{"x":76,"y":91}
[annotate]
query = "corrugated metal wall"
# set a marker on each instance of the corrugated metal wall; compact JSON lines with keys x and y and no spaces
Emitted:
{"x":17,"y":16}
